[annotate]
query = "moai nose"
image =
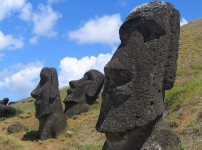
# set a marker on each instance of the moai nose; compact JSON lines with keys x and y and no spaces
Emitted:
{"x":36,"y":93}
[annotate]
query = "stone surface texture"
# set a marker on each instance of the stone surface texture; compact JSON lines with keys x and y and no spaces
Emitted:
{"x":6,"y":111}
{"x":16,"y":128}
{"x":83,"y":93}
{"x":140,"y":71}
{"x":48,"y":105}
{"x":4,"y":101}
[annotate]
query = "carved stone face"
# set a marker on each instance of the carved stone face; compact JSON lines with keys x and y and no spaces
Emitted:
{"x":86,"y":89}
{"x":45,"y":92}
{"x":141,"y":69}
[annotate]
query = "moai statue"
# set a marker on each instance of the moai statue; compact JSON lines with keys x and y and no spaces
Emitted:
{"x":48,"y":105}
{"x":140,"y":71}
{"x":4,"y":101}
{"x":83,"y":93}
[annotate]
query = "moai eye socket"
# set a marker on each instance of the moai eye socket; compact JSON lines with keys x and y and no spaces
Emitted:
{"x":118,"y":75}
{"x":42,"y":82}
{"x":44,"y":78}
{"x":148,"y":28}
{"x":88,"y":76}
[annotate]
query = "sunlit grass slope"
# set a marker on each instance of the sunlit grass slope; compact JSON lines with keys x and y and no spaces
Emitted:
{"x":184,"y":101}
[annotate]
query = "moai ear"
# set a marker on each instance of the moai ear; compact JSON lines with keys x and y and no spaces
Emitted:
{"x":54,"y":85}
{"x":92,"y":87}
{"x":171,"y":61}
{"x":97,"y":83}
{"x":92,"y":90}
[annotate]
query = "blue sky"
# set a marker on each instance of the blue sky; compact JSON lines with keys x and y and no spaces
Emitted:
{"x":71,"y":35}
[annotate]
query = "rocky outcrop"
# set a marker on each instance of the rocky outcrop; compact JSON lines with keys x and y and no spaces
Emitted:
{"x":7,"y":111}
{"x":4,"y":101}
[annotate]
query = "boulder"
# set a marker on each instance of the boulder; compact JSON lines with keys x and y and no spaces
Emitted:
{"x":4,"y":101}
{"x":7,"y":111}
{"x":16,"y":128}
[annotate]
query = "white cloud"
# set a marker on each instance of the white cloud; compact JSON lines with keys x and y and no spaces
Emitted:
{"x":73,"y":69}
{"x":8,"y":6}
{"x":43,"y":20}
{"x":34,"y":40}
{"x":104,"y":30}
{"x":8,"y":42}
{"x":183,"y":21}
{"x":26,"y":12}
{"x":23,"y":81}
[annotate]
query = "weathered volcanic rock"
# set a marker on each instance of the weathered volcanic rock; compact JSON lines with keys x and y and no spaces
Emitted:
{"x":83,"y":92}
{"x":48,"y":105}
{"x":4,"y":101}
{"x":140,"y":71}
{"x":16,"y":128}
{"x":7,"y":111}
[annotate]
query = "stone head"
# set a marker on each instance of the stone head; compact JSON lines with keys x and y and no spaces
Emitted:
{"x":4,"y":101}
{"x":86,"y":89}
{"x":46,"y":92}
{"x":141,"y":69}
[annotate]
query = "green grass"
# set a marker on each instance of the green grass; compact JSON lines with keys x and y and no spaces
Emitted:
{"x":25,"y":105}
{"x":8,"y":140}
{"x":176,"y":97}
{"x":76,"y":145}
{"x":63,"y":93}
{"x":97,"y":104}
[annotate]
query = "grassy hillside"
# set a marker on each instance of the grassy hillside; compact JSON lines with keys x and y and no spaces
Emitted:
{"x":183,"y":102}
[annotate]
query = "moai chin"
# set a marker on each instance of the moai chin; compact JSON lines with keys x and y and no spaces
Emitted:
{"x":140,"y":71}
{"x":83,"y":93}
{"x":48,"y":105}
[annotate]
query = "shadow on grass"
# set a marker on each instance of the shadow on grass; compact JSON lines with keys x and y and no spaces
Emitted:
{"x":30,"y":136}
